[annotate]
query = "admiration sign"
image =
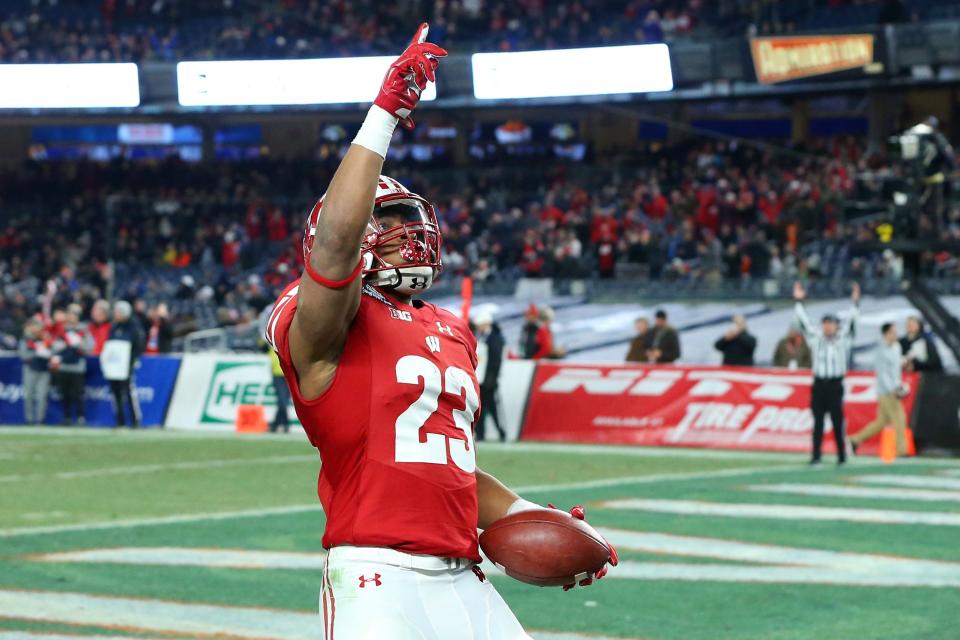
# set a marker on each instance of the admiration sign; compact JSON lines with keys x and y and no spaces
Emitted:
{"x":788,"y":58}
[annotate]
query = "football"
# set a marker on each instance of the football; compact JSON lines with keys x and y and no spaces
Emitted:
{"x":544,"y":547}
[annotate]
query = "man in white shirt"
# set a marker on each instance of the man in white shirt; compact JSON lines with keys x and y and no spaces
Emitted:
{"x":890,"y":392}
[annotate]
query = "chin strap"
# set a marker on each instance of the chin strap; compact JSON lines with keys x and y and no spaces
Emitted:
{"x":333,"y":284}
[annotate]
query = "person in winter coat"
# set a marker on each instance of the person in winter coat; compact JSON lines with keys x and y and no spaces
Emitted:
{"x":35,"y":354}
{"x":125,"y":329}
{"x":488,"y":332}
{"x":737,"y":344}
{"x":70,"y":366}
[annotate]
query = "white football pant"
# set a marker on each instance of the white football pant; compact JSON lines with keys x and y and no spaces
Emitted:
{"x":372,"y":593}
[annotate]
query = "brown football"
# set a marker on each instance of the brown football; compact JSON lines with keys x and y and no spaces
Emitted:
{"x":544,"y":547}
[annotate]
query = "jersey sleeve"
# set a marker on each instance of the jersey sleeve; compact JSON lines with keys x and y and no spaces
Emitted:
{"x":277,"y":331}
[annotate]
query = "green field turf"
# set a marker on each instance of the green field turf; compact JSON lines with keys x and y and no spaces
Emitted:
{"x":881,"y":564}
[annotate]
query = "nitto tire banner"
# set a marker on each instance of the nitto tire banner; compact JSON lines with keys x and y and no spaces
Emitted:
{"x":727,"y":407}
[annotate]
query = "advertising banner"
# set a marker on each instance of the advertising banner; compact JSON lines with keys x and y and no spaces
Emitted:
{"x":212,"y":386}
{"x":778,"y":59}
{"x":154,"y":378}
{"x":728,"y":407}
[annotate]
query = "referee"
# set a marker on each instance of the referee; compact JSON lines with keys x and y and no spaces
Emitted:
{"x":830,"y":347}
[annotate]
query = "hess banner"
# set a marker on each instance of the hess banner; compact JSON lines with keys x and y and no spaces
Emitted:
{"x":731,"y":407}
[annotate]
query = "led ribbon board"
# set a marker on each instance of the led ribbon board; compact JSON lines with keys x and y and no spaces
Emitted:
{"x":283,"y":82}
{"x":69,"y":86}
{"x":572,"y":72}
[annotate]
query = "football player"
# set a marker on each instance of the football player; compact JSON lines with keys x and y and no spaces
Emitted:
{"x":386,"y":389}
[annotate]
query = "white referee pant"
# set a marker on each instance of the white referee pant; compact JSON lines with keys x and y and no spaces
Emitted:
{"x":373,"y":593}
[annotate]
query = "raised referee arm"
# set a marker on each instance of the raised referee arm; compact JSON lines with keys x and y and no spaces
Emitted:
{"x":846,"y":328}
{"x":808,"y":328}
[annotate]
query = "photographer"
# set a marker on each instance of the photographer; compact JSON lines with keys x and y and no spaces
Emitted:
{"x":737,"y":344}
{"x":919,"y":350}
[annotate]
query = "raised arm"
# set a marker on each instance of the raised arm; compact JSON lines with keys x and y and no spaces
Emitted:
{"x":329,"y":293}
{"x":799,"y":294}
{"x":850,"y":322}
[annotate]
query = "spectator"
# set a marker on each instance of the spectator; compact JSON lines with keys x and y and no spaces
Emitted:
{"x":118,"y":361}
{"x":489,"y":334}
{"x":281,"y":419}
{"x":792,"y":351}
{"x":919,"y":349}
{"x":890,"y":392}
{"x":141,"y":313}
{"x":664,"y":341}
{"x":158,"y":331}
{"x":531,"y":335}
{"x":545,"y":342}
{"x":640,"y":342}
{"x":737,"y":344}
{"x":69,"y":366}
{"x":35,"y":355}
{"x":99,"y":327}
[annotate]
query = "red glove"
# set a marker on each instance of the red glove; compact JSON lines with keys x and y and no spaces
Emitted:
{"x":578,"y":513}
{"x":408,"y":75}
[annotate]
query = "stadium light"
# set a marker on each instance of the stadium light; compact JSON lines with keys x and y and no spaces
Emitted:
{"x":69,"y":86}
{"x":283,"y":82}
{"x":572,"y":72}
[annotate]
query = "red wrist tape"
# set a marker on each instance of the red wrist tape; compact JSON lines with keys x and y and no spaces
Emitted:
{"x":334,"y":284}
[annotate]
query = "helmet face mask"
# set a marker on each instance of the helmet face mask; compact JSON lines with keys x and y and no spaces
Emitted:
{"x":401,"y":250}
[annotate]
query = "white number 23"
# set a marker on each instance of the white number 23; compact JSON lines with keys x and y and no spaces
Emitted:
{"x":409,"y":448}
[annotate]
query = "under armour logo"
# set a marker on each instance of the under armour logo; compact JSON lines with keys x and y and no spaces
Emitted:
{"x":444,"y":328}
{"x":433,"y":342}
{"x":375,"y":580}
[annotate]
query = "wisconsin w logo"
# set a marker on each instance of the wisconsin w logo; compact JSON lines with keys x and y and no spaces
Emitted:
{"x":433,"y":342}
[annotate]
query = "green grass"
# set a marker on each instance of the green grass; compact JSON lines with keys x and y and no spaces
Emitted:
{"x":151,"y":475}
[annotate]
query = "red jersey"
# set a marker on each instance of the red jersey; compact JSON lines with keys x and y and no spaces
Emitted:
{"x":395,"y":427}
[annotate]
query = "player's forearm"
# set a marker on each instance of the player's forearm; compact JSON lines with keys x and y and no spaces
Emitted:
{"x":493,"y":498}
{"x":346,"y":212}
{"x":349,"y":200}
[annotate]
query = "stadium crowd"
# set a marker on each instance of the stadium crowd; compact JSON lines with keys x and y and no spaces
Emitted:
{"x":163,"y":30}
{"x":215,"y":240}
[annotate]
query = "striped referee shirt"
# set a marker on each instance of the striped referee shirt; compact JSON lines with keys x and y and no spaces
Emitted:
{"x":830,"y":355}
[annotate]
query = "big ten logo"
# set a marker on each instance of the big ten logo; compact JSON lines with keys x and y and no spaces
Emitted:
{"x":234,"y":384}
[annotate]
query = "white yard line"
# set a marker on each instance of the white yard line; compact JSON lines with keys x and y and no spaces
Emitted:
{"x":254,"y":513}
{"x":917,"y":482}
{"x":162,"y":520}
{"x":779,"y":563}
{"x":635,"y":451}
{"x":654,"y":478}
{"x":881,"y":493}
{"x":155,"y":468}
{"x":191,"y":557}
{"x":40,"y":635}
{"x":784,"y":512}
{"x":133,"y":615}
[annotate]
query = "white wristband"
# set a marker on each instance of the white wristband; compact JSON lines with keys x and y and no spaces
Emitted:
{"x":522,"y":505}
{"x":376,"y":131}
